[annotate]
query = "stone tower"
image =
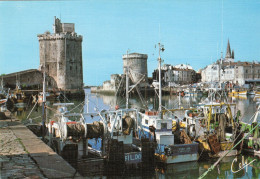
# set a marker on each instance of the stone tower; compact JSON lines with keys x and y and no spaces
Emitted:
{"x":61,"y":52}
{"x":138,"y":67}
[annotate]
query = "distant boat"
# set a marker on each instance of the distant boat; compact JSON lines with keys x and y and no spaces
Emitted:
{"x":251,"y":92}
{"x":235,"y":93}
{"x":18,"y":96}
{"x":239,"y":97}
{"x":5,"y":97}
{"x":49,"y":96}
{"x":3,"y":101}
{"x":192,"y":92}
{"x":257,"y":93}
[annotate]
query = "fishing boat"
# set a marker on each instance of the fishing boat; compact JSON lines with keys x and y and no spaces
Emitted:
{"x":243,"y":97}
{"x":116,"y":132}
{"x":192,"y":92}
{"x":251,"y":92}
{"x":236,"y":93}
{"x":3,"y":101}
{"x":251,"y":143}
{"x":257,"y":93}
{"x":49,"y":96}
{"x":18,"y":96}
{"x":4,"y":94}
{"x":171,"y":148}
{"x":217,"y":129}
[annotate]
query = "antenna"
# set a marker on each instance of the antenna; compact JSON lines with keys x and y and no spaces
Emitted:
{"x":161,"y":48}
{"x":127,"y":82}
{"x":160,"y":32}
{"x":222,"y":30}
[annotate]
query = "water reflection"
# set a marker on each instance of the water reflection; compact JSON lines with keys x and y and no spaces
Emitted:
{"x":247,"y":106}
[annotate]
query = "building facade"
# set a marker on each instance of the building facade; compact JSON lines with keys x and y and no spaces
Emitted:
{"x":61,"y":55}
{"x":226,"y":70}
{"x":180,"y":74}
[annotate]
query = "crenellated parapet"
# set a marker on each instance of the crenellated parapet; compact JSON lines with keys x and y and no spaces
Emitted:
{"x":69,"y":36}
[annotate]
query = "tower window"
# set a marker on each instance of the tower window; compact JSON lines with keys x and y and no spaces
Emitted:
{"x":70,"y":67}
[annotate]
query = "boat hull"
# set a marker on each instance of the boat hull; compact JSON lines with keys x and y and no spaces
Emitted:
{"x":251,"y":151}
{"x":257,"y":93}
{"x":180,"y":153}
{"x":235,"y":93}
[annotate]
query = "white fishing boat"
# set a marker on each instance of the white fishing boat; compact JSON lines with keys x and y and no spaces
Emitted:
{"x":159,"y":128}
{"x":4,"y":94}
{"x":116,"y":130}
{"x":252,"y":132}
{"x":192,"y":92}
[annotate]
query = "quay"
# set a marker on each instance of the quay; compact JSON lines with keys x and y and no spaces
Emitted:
{"x":24,"y":155}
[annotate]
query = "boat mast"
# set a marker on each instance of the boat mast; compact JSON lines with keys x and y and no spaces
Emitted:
{"x":127,"y":84}
{"x":161,"y":48}
{"x":180,"y":99}
{"x":43,"y":97}
{"x":2,"y":83}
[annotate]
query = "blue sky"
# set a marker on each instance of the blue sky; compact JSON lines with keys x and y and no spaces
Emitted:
{"x":190,"y":31}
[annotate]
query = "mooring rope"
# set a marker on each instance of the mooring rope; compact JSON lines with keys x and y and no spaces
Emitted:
{"x":52,"y":109}
{"x":32,"y":109}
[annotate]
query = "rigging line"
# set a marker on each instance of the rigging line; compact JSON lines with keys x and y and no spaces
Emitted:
{"x":36,"y":117}
{"x":65,"y":98}
{"x":32,"y":109}
{"x":52,"y":109}
{"x":171,"y":112}
{"x":77,"y":106}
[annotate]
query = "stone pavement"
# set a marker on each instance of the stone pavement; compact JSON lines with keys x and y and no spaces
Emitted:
{"x":23,"y":155}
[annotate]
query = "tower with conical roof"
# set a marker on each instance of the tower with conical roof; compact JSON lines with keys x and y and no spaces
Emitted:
{"x":229,"y":56}
{"x":228,"y":52}
{"x":233,"y":54}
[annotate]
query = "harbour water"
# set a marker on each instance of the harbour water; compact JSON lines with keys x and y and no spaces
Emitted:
{"x":247,"y":106}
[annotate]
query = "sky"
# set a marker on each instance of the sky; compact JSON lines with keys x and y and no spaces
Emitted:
{"x":192,"y":32}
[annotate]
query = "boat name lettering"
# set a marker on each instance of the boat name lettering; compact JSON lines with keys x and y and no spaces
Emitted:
{"x":134,"y":157}
{"x":184,"y":150}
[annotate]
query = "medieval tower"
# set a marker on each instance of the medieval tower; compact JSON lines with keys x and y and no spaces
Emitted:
{"x":61,"y":55}
{"x":137,"y":64}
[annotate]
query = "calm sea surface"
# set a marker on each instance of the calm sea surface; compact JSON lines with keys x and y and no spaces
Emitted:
{"x":247,"y":106}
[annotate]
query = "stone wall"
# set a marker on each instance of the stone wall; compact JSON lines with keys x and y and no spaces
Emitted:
{"x":28,"y":79}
